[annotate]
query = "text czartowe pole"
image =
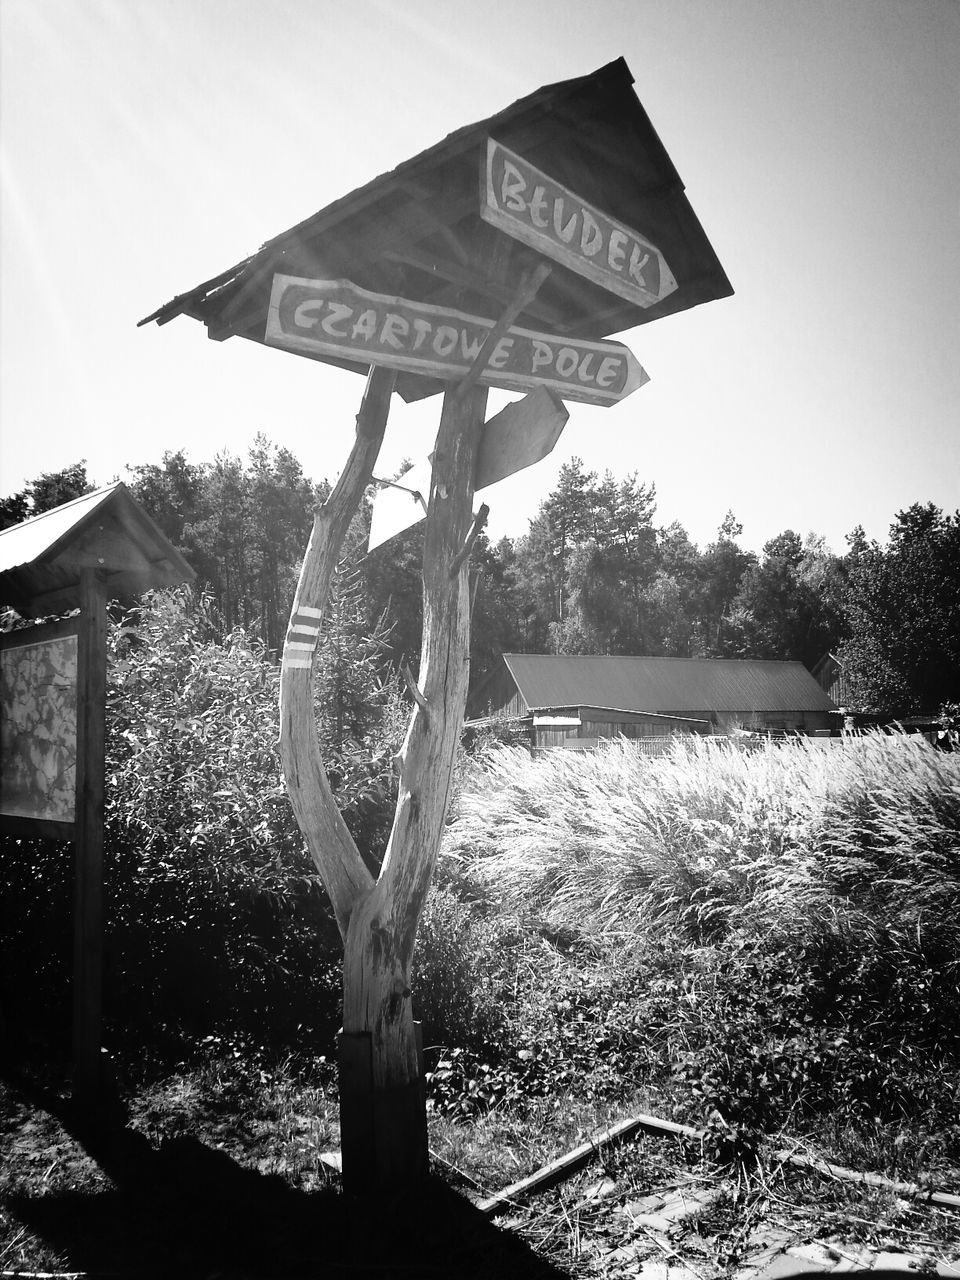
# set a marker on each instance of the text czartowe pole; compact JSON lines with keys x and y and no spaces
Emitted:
{"x":337,"y":318}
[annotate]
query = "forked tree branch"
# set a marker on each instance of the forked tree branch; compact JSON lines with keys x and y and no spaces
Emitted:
{"x":330,"y":843}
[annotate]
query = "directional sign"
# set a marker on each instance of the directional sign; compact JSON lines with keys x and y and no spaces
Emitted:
{"x":335,"y":317}
{"x":533,"y":207}
{"x":518,"y":436}
{"x":400,"y":506}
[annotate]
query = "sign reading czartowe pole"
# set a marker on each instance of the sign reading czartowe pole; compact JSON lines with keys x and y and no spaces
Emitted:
{"x":531,"y":206}
{"x":335,"y":317}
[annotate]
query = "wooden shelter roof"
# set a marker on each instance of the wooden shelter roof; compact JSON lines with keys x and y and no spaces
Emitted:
{"x":416,"y":232}
{"x":724,"y":685}
{"x":41,"y":559}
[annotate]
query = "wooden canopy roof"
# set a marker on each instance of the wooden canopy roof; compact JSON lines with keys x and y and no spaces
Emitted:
{"x":41,"y":559}
{"x":416,"y":232}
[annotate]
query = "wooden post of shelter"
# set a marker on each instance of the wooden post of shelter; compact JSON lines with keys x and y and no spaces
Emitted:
{"x":87,"y":990}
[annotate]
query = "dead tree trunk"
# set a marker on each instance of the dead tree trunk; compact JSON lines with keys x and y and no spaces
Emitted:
{"x":383,"y":1118}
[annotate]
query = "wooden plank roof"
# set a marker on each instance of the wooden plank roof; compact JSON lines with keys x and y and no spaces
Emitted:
{"x":41,"y":559}
{"x":674,"y":685}
{"x":416,"y":231}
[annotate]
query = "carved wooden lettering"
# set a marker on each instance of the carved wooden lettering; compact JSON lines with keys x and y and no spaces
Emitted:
{"x":531,"y":206}
{"x":335,"y":317}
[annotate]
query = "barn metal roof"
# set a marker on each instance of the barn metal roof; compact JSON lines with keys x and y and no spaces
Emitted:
{"x":416,"y":232}
{"x":41,"y":559}
{"x":665,"y":684}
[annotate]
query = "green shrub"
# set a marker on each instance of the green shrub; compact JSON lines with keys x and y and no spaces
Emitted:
{"x":215,"y":916}
{"x":462,"y":969}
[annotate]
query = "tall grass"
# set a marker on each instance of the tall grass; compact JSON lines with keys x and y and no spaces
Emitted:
{"x":760,"y":935}
{"x":792,"y":841}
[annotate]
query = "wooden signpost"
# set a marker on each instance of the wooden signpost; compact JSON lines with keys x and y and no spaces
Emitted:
{"x":383,"y":1129}
{"x":531,"y":206}
{"x":420,"y":232}
{"x":520,"y":435}
{"x":334,"y":317}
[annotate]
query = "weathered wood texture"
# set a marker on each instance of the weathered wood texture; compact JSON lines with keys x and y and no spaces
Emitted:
{"x":417,"y":232}
{"x":330,"y":843}
{"x":534,"y":208}
{"x":378,"y":920}
{"x":382,"y":929}
{"x":316,"y":317}
{"x":88,"y":911}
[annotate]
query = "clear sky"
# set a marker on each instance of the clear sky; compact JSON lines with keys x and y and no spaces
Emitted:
{"x":146,"y":145}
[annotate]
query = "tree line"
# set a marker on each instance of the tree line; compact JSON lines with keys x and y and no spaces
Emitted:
{"x":593,"y":574}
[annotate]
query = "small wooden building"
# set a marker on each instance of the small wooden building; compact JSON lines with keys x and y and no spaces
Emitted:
{"x":574,"y":701}
{"x":72,"y":559}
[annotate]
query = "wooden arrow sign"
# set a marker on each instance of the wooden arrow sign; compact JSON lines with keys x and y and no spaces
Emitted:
{"x":400,"y":506}
{"x":533,"y":207}
{"x":335,"y":317}
{"x":519,"y":435}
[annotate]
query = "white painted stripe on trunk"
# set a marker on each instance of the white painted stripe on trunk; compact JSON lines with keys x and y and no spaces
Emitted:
{"x":306,"y":663}
{"x":309,"y":612}
{"x":297,"y":644}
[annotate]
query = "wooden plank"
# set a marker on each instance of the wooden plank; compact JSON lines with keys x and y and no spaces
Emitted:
{"x":534,"y":208}
{"x":335,"y":317}
{"x":88,"y":909}
{"x":576,"y":1159}
{"x":399,"y":506}
{"x":521,"y":434}
{"x":35,"y":828}
{"x":357,"y":1137}
{"x":468,"y":277}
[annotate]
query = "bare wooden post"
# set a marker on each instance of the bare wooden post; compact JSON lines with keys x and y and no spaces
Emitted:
{"x":383,"y":1113}
{"x":330,"y":843}
{"x":378,"y":947}
{"x":88,"y":840}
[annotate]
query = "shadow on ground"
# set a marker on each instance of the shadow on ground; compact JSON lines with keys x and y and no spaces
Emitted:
{"x":185,"y":1209}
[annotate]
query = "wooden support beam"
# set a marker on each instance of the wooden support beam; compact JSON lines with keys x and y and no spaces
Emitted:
{"x":383,"y":1112}
{"x":87,"y":990}
{"x":382,"y":928}
{"x":528,"y":289}
{"x":479,"y":521}
{"x":330,"y":843}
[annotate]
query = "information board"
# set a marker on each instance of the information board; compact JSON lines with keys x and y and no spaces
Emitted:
{"x":38,"y":723}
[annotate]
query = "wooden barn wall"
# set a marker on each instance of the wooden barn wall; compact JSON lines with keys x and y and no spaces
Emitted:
{"x":801,"y":721}
{"x":593,"y":729}
{"x":639,"y":728}
{"x":497,"y":696}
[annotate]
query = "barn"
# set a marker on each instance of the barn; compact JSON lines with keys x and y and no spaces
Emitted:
{"x":574,"y":700}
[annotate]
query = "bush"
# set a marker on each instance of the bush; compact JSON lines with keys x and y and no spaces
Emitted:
{"x":215,"y":912}
{"x":215,"y":916}
{"x":462,"y":969}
